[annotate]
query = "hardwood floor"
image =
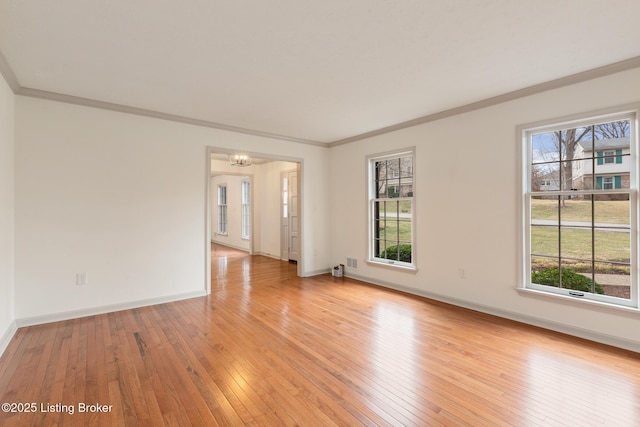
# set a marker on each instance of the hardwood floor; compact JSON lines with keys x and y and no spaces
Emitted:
{"x":267,"y":348}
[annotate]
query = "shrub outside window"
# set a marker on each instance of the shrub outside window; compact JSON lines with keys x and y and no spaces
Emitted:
{"x":580,"y":232}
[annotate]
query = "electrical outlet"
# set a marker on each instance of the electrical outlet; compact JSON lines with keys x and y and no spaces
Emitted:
{"x":82,"y":279}
{"x":462,"y":273}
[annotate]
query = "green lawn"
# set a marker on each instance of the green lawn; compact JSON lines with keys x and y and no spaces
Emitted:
{"x":392,"y":207}
{"x":577,"y":243}
{"x":393,"y":231}
{"x":606,"y":211}
{"x":609,"y":245}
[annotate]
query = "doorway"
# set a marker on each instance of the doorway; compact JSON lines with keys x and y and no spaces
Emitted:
{"x":266,"y":206}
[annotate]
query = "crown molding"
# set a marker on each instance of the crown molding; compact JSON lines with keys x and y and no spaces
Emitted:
{"x":7,"y":73}
{"x":594,"y":73}
{"x":86,"y":102}
{"x":606,"y":70}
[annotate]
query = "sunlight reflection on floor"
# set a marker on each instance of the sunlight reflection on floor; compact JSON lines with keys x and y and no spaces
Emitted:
{"x":575,"y":390}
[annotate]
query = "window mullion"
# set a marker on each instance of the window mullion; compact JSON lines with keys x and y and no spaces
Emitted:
{"x":561,"y":173}
{"x":390,"y":185}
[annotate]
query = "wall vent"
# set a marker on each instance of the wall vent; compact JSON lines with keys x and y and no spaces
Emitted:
{"x":352,"y":263}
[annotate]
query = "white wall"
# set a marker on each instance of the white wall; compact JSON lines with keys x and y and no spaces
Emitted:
{"x":123,"y":198}
{"x":466,"y":209}
{"x":7,"y":313}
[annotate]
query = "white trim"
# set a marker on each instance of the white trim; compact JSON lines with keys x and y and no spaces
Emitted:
{"x":246,"y":220}
{"x":606,"y":70}
{"x":8,"y":74}
{"x":371,"y":196}
{"x":301,"y":198}
{"x":317,"y":272}
{"x":525,"y":194}
{"x":75,"y":314}
{"x":268,"y":255}
{"x":510,"y":315}
{"x":7,"y":337}
{"x":207,"y":222}
{"x":397,"y":266}
{"x":226,"y":245}
{"x":577,"y":301}
{"x":579,"y":119}
{"x":584,"y":76}
{"x":120,"y":108}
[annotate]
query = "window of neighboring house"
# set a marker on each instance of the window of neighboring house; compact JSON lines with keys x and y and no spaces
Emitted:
{"x":607,"y":183}
{"x":246,"y":209}
{"x":580,"y":239}
{"x":222,"y":209}
{"x":391,"y":209}
{"x":609,"y":157}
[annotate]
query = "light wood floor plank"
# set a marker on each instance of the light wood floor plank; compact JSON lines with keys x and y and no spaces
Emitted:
{"x":268,"y":348}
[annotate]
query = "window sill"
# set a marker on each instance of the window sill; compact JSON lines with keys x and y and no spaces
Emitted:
{"x":578,"y":302}
{"x":399,"y":267}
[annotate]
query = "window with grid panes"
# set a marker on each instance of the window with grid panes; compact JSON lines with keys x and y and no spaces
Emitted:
{"x":391,"y":209}
{"x":246,"y":209}
{"x":580,"y":238}
{"x":222,"y":209}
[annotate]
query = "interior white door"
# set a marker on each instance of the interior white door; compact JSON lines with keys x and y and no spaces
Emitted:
{"x":293,"y":217}
{"x":290,"y":240}
{"x":284,"y":216}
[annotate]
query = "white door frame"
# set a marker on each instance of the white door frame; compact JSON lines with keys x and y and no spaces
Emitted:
{"x":207,"y":199}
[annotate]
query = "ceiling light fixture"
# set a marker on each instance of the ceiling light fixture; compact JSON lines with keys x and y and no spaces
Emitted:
{"x":239,"y":159}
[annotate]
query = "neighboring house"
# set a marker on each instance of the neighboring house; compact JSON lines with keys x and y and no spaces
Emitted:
{"x":395,"y":177}
{"x":549,"y":181}
{"x":611,"y":164}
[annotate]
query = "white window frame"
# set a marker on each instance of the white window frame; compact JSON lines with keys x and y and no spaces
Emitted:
{"x":245,"y":210}
{"x":525,"y":132}
{"x":608,"y":181}
{"x":609,"y":157}
{"x":223,"y":217}
{"x":372,"y":259}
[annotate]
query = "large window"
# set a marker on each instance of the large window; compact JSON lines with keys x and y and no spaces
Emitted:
{"x":580,"y":232}
{"x":391,"y":209}
{"x":246,"y":209}
{"x":222,"y":209}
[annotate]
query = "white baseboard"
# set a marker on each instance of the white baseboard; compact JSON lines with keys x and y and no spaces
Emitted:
{"x":318,"y":272}
{"x":239,"y":248}
{"x":75,"y":314}
{"x":269,"y":255}
{"x":5,"y":339}
{"x":530,"y":320}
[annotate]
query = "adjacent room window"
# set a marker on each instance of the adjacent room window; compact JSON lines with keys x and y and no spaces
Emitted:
{"x":391,"y":209}
{"x":222,"y":209}
{"x":246,"y":209}
{"x":580,"y":231}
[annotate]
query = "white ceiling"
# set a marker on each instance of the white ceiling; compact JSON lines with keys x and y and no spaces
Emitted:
{"x":312,"y":70}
